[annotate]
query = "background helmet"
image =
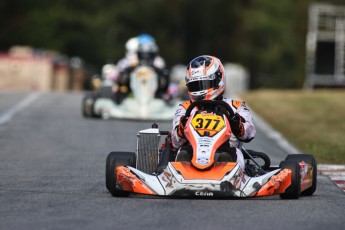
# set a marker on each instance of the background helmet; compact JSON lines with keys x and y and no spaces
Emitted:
{"x":146,"y":38}
{"x":205,"y":78}
{"x":133,"y":43}
{"x":147,"y":51}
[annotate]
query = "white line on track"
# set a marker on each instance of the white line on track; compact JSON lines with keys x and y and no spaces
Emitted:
{"x":7,"y":115}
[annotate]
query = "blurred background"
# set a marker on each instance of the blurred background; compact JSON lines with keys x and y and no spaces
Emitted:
{"x":61,"y":44}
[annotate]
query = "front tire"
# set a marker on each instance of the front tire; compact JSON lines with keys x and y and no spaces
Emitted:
{"x":294,"y":190}
{"x":309,"y":159}
{"x":114,"y":160}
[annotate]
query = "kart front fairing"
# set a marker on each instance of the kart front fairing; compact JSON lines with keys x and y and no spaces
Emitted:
{"x":142,"y":104}
{"x":130,"y":108}
{"x":162,"y":173}
{"x":225,"y":179}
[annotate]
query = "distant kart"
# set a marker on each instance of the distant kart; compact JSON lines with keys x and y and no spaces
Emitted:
{"x":141,"y":105}
{"x":104,"y":90}
{"x":154,"y":171}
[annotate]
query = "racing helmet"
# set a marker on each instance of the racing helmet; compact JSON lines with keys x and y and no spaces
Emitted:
{"x":147,"y":51}
{"x":143,"y":38}
{"x":132,"y":45}
{"x":205,"y":78}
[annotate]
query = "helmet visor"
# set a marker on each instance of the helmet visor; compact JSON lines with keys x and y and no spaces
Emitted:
{"x":146,"y":55}
{"x":195,"y":86}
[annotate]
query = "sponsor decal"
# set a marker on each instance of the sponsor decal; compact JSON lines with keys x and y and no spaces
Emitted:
{"x":194,"y":71}
{"x":201,"y":193}
{"x":202,"y":161}
{"x":168,"y":178}
{"x":205,"y":140}
{"x":238,"y":179}
{"x":178,"y":111}
{"x":197,"y":78}
{"x":205,"y":113}
{"x":306,"y":173}
{"x":303,"y":169}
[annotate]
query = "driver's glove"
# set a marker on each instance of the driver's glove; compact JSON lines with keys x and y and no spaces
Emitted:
{"x":237,"y":125}
{"x":180,"y":127}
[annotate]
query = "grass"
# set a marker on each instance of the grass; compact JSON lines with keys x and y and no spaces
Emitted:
{"x":312,"y":121}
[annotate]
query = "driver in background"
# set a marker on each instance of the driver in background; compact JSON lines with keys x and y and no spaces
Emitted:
{"x":205,"y":80}
{"x":141,"y":50}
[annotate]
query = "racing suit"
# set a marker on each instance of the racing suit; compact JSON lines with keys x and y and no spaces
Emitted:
{"x":126,"y":66}
{"x":238,"y":107}
{"x":131,"y":59}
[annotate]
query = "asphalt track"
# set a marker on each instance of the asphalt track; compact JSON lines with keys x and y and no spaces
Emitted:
{"x":52,"y":164}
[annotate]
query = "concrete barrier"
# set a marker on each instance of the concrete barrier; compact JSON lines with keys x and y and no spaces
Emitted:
{"x":23,"y":69}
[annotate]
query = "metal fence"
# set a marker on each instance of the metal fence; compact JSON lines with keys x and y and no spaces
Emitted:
{"x":325,"y":46}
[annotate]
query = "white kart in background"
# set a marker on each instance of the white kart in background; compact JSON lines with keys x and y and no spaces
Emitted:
{"x":141,"y":104}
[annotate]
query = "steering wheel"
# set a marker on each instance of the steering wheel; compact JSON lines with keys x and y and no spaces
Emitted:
{"x":223,"y":106}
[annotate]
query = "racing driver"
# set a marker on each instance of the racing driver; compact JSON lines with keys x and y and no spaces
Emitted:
{"x":145,"y":52}
{"x":205,"y":80}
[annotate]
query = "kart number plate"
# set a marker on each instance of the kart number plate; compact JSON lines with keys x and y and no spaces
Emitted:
{"x":144,"y":73}
{"x":208,"y":124}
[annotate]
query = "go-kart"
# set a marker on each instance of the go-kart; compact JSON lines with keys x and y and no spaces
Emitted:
{"x":152,"y":170}
{"x":141,"y":104}
{"x":102,"y":89}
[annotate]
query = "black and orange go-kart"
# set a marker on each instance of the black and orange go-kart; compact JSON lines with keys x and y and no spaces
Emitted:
{"x":153,"y":170}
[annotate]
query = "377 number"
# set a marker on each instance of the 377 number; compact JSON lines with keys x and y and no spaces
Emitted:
{"x":205,"y":123}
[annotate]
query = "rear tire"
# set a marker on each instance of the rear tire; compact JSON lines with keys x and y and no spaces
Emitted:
{"x":294,"y":190}
{"x":309,"y":159}
{"x":115,"y":159}
{"x":88,"y":104}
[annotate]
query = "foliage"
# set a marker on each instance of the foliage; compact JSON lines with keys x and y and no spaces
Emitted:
{"x":267,"y":37}
{"x":273,"y":42}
